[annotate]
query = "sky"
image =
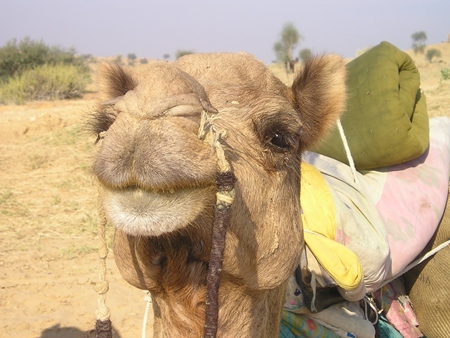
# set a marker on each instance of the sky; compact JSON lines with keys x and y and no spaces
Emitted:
{"x":153,"y":28}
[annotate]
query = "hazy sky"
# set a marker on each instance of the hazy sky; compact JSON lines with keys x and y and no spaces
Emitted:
{"x":153,"y":28}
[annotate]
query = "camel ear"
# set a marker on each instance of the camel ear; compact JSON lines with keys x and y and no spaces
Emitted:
{"x":114,"y":82}
{"x":319,"y":96}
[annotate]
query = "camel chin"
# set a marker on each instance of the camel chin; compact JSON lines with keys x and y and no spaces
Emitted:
{"x":139,"y":212}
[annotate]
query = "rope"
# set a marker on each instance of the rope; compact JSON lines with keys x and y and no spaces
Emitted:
{"x":347,"y":151}
{"x":103,"y":327}
{"x":224,"y":199}
{"x":314,"y":291}
{"x":417,"y":262}
{"x":148,"y":300}
{"x":369,"y":302}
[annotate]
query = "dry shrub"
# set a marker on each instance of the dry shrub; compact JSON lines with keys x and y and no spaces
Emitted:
{"x":46,"y":82}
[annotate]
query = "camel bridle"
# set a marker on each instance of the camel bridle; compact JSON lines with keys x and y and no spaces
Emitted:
{"x":224,"y":199}
{"x":225,"y":180}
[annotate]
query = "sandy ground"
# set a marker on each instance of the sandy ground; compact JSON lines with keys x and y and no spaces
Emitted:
{"x":48,"y":234}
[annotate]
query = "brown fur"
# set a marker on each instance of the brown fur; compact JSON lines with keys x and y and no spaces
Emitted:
{"x":158,"y":182}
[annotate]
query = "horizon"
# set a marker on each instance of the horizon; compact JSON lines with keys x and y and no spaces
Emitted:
{"x":150,"y":30}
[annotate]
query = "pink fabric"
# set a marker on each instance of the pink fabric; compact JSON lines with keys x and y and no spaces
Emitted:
{"x":399,"y":313}
{"x":412,"y":203}
{"x":387,"y":216}
{"x":397,"y":317}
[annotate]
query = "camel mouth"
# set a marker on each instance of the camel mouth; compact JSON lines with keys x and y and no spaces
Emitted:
{"x":141,"y":212}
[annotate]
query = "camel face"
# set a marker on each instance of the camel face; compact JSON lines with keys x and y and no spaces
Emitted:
{"x":158,"y":178}
{"x":157,"y":174}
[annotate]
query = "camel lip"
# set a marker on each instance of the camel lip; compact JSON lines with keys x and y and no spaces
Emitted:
{"x":141,"y":212}
{"x":154,"y":190}
{"x":138,"y":189}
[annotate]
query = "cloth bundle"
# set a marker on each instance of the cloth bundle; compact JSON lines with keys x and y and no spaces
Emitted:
{"x":359,"y":242}
{"x":386,"y":211}
{"x":386,"y":121}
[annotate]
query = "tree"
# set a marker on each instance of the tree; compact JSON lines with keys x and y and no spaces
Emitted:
{"x":419,"y":39}
{"x":166,"y":56}
{"x":431,"y":53}
{"x":181,"y":52}
{"x":305,"y":54}
{"x":132,"y":56}
{"x":289,"y":40}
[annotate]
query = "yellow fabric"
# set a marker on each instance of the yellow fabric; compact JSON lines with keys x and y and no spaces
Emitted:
{"x":319,"y":223}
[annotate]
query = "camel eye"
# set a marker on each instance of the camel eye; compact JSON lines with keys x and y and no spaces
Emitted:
{"x":278,"y":132}
{"x":278,"y":140}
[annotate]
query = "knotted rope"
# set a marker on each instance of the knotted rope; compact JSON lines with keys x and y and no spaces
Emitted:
{"x":224,"y":198}
{"x":103,"y":327}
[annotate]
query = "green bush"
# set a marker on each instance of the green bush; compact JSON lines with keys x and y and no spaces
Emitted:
{"x":445,"y":73}
{"x":17,"y":57}
{"x":31,"y":70}
{"x":46,"y":82}
{"x":431,"y":53}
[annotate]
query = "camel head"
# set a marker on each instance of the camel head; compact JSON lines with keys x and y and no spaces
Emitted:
{"x":157,"y":179}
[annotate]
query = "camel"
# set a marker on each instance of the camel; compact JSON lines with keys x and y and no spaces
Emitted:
{"x":158,"y":181}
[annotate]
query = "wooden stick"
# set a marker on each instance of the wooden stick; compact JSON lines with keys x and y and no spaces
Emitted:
{"x":225,"y":183}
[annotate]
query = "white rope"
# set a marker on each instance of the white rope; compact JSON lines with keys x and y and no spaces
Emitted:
{"x":418,"y":261}
{"x":370,"y":302}
{"x":427,"y":255}
{"x":148,"y":300}
{"x":347,"y":151}
{"x":314,"y":291}
{"x":209,"y":133}
{"x":101,"y":287}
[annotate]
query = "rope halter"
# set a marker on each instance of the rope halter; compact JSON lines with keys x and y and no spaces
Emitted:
{"x":225,"y":180}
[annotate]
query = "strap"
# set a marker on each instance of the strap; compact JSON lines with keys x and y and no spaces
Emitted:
{"x":418,"y":261}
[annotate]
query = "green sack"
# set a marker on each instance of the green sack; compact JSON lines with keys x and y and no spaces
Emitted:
{"x":386,"y":121}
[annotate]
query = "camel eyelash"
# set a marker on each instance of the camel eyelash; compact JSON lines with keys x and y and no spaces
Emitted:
{"x":279,"y":136}
{"x":101,"y":121}
{"x":281,"y":141}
